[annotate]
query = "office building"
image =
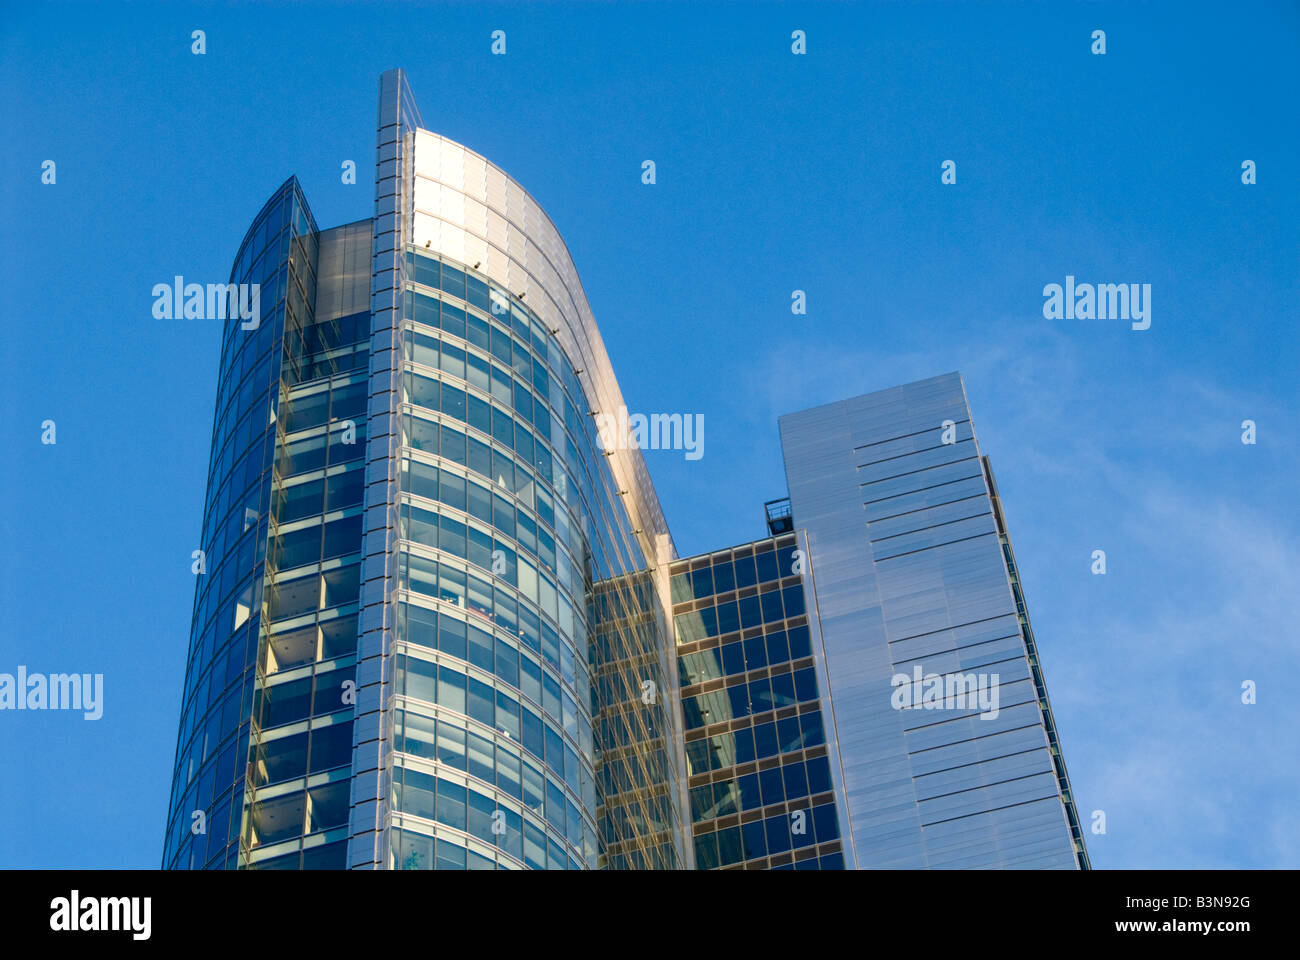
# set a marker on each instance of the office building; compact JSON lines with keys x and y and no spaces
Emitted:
{"x":439,"y":625}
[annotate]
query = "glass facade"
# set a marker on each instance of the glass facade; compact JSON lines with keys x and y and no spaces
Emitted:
{"x":520,"y":601}
{"x":437,"y":625}
{"x":434,"y":605}
{"x":760,"y":777}
{"x":263,"y":660}
{"x":493,"y":631}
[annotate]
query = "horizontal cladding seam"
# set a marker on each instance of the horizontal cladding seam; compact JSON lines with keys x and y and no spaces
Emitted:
{"x":904,"y":436}
{"x":911,"y":473}
{"x":983,"y":786}
{"x":935,"y":546}
{"x":929,"y":526}
{"x":972,"y":763}
{"x":948,"y":650}
{"x":912,"y":754}
{"x":928,"y":506}
{"x":590,"y":339}
{"x":913,"y":453}
{"x":908,"y":493}
{"x":981,"y":813}
{"x":957,"y":670}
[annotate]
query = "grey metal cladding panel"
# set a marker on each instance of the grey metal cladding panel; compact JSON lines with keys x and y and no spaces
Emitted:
{"x":1007,"y":669}
{"x":974,"y":750}
{"x":908,"y":571}
{"x":895,"y":413}
{"x":926,"y":517}
{"x":965,"y":658}
{"x":981,"y":799}
{"x":1022,"y":836}
{"x":1027,"y":825}
{"x":1013,"y":767}
{"x":970,"y":728}
{"x":879,"y":450}
{"x":952,"y":492}
{"x":957,"y":637}
{"x":975,"y":589}
{"x":916,"y":461}
{"x":878,"y":490}
{"x":950,"y":725}
{"x":931,"y":537}
{"x":1023,"y":821}
{"x":1009,"y":689}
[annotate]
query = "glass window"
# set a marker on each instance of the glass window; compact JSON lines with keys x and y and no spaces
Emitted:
{"x":344,"y":489}
{"x":805,"y":684}
{"x":452,"y":360}
{"x":479,"y":413}
{"x":800,"y":642}
{"x":480,"y":648}
{"x":507,"y":715}
{"x":702,"y":582}
{"x":476,"y":327}
{"x":777,"y":649}
{"x":453,"y":318}
{"x":301,"y":500}
{"x":451,"y":745}
{"x":416,"y":735}
{"x":453,"y":401}
{"x":451,"y":636}
{"x":451,"y":856}
{"x":770,"y":601}
{"x":480,"y":751}
{"x":479,"y":501}
{"x":451,"y":536}
{"x":481,"y":700}
{"x":422,"y":391}
{"x":282,"y":759}
{"x":451,"y":689}
{"x":746,"y":576}
{"x":478,"y":375}
{"x":813,"y":734}
{"x":452,"y":446}
{"x":480,"y":457}
{"x":451,"y":804}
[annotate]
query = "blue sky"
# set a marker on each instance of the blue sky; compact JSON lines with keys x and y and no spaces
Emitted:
{"x":775,"y":172}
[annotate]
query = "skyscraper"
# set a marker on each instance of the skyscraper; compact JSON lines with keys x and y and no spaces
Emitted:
{"x":439,"y":624}
{"x":914,"y":593}
{"x":409,"y":530}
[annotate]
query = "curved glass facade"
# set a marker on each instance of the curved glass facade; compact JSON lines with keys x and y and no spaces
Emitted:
{"x":205,"y":813}
{"x":433,"y":628}
{"x":514,"y":595}
{"x":439,"y":625}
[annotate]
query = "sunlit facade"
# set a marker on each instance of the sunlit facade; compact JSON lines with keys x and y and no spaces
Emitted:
{"x":434,"y":606}
{"x":910,"y":574}
{"x":438,"y":625}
